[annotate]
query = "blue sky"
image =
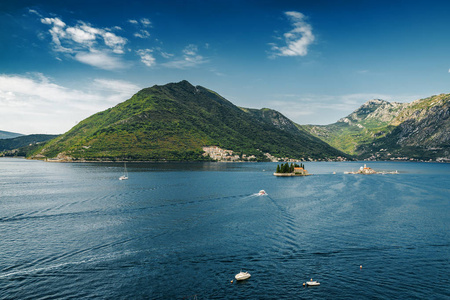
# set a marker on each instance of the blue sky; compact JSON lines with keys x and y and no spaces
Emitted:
{"x":314,"y":61}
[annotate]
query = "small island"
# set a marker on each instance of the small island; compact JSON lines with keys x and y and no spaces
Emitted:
{"x":366,"y":170}
{"x":286,"y":170}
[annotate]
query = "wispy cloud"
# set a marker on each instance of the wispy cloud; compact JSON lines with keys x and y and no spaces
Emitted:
{"x":142,"y":25}
{"x":298,"y":39}
{"x":100,"y":60}
{"x":104,"y":48}
{"x":146,"y":22}
{"x":147,"y":57}
{"x":97,"y":47}
{"x":190,"y":58}
{"x":143,"y":34}
{"x":35,"y":104}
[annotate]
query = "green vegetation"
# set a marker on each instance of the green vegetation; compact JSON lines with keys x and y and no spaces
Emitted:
{"x":23,"y":145}
{"x":383,"y":130}
{"x":286,"y":168}
{"x":174,"y":122}
{"x":9,"y":135}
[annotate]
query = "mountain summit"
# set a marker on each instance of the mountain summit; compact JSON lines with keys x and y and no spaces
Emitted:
{"x":174,"y":122}
{"x":383,"y":130}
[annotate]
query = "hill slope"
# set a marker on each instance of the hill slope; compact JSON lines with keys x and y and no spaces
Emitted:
{"x":23,"y":145}
{"x":9,"y":135}
{"x":173,"y":122}
{"x":422,"y":131}
{"x":382,"y":130}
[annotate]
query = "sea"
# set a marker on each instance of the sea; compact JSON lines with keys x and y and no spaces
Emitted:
{"x":184,"y":230}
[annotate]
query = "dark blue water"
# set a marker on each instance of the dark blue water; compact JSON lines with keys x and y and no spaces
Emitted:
{"x":182,"y":231}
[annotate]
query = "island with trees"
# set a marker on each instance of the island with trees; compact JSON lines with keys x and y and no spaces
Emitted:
{"x":286,"y":170}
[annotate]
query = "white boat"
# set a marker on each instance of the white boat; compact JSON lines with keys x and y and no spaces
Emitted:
{"x":125,"y":173}
{"x":262,"y":192}
{"x":312,"y":283}
{"x":242,"y":275}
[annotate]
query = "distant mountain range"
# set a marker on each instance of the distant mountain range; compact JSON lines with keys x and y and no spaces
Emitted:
{"x":8,"y":135}
{"x":174,"y":121}
{"x":381,"y":130}
{"x":23,"y":144}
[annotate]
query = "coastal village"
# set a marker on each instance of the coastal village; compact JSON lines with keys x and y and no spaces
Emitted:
{"x":225,"y":155}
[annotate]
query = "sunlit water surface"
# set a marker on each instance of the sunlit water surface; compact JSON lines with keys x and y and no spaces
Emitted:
{"x":183,"y":230}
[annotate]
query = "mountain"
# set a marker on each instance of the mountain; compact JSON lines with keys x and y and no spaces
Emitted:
{"x":174,"y":122}
{"x":384,"y":130}
{"x":8,"y":135}
{"x":372,"y":120}
{"x":422,"y":131}
{"x":23,"y":144}
{"x":278,"y":120}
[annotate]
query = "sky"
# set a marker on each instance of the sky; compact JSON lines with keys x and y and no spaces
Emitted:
{"x":313,"y":61}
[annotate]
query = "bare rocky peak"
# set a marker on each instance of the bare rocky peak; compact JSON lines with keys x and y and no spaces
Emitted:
{"x":375,"y":109}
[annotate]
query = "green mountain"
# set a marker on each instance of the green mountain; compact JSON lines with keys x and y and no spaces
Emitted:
{"x":422,"y":131}
{"x":23,"y":145}
{"x":8,"y":135}
{"x":383,"y":130}
{"x":174,"y":122}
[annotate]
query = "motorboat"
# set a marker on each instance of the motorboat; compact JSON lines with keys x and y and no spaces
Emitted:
{"x":312,"y":283}
{"x":242,"y":276}
{"x":262,"y":192}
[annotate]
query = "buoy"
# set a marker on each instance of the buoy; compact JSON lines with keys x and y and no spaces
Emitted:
{"x":231,"y":281}
{"x":360,"y":266}
{"x":304,"y":284}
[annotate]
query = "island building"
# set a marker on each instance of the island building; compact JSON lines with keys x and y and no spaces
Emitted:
{"x":363,"y":170}
{"x":299,"y":171}
{"x":366,"y":170}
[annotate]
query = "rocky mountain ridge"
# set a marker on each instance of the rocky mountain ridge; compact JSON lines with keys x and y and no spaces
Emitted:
{"x":385,"y":130}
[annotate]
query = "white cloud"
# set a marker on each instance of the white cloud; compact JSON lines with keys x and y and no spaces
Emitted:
{"x":298,"y":39}
{"x":163,"y":54}
{"x":142,"y":26}
{"x":87,"y":44}
{"x":57,"y":32}
{"x":146,"y":22}
{"x":143,"y":34}
{"x":115,"y":42}
{"x":34,"y":12}
{"x":34,"y":104}
{"x":100,"y":60}
{"x":147,"y":57}
{"x":190,"y":50}
{"x":80,"y":36}
{"x":190,"y":58}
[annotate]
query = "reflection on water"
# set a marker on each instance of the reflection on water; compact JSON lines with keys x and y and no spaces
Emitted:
{"x":183,"y":230}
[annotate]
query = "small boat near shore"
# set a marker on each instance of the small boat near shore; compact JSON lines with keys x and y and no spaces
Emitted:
{"x":262,"y":192}
{"x":311,"y":283}
{"x":242,"y":276}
